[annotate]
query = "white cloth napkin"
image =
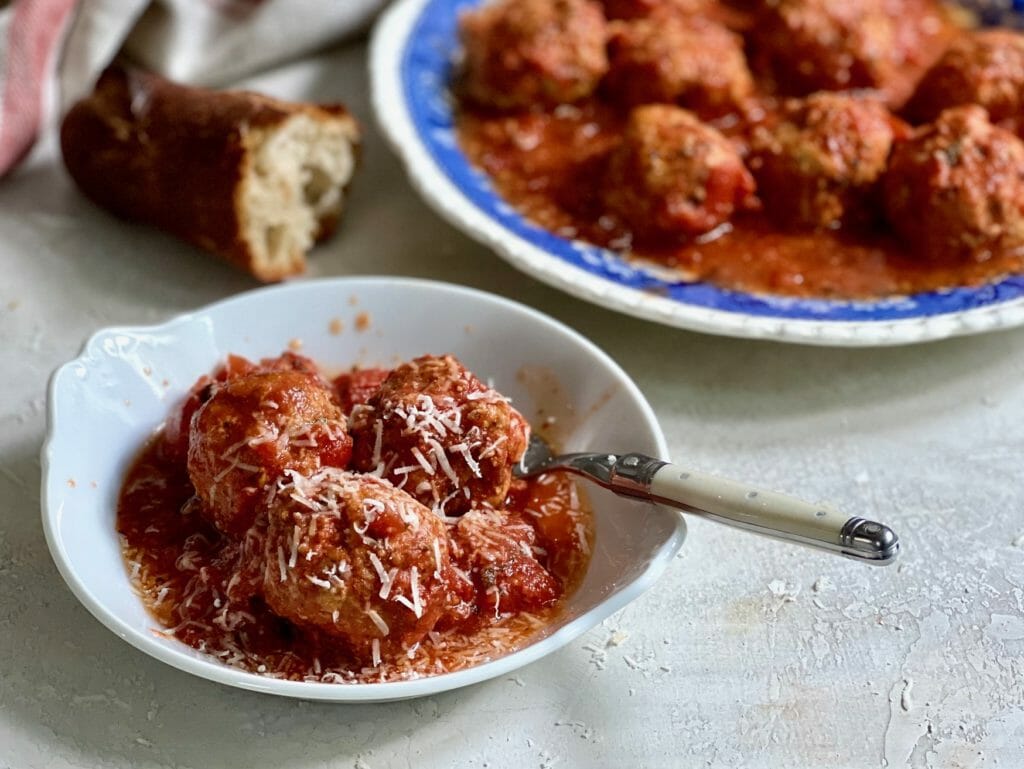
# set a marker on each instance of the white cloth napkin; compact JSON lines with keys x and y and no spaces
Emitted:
{"x":65,"y":44}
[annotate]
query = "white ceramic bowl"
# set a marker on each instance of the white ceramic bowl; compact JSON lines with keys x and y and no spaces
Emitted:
{"x":105,"y":403}
{"x":411,"y":64}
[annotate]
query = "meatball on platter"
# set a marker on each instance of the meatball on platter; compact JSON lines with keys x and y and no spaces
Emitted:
{"x":825,"y":173}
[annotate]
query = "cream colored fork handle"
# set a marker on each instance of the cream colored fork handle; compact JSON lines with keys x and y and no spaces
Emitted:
{"x":773,"y":514}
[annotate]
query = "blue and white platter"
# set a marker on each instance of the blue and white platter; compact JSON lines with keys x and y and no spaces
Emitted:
{"x":413,"y":55}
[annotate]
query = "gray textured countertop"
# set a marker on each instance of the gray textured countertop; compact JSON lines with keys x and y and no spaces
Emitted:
{"x":747,"y":654}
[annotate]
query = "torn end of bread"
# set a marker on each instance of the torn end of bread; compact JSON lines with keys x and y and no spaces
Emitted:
{"x":293,"y":189}
{"x":253,"y":179}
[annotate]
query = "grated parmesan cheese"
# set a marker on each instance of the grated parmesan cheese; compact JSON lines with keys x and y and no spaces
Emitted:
{"x":378,"y":620}
{"x":281,"y":563}
{"x":437,"y":559}
{"x":462,"y":575}
{"x":220,"y":476}
{"x":399,"y":598}
{"x":372,"y":508}
{"x":222,"y":631}
{"x":296,"y":535}
{"x":471,"y":463}
{"x":493,"y":447}
{"x":378,"y":436}
{"x":386,"y":578}
{"x":418,"y":455}
{"x":439,"y":454}
{"x":414,"y":586}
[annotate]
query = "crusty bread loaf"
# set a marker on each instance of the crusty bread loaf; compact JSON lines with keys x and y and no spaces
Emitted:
{"x":252,"y":179}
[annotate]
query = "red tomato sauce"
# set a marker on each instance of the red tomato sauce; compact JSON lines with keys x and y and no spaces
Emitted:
{"x":548,"y":162}
{"x":182,"y":568}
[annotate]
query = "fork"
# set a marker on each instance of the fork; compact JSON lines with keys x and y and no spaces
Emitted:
{"x":719,"y":499}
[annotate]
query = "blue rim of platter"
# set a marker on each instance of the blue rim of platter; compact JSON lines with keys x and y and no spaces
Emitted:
{"x":426,"y":59}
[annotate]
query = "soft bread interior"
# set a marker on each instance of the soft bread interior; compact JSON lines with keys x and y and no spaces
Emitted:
{"x":293,"y":190}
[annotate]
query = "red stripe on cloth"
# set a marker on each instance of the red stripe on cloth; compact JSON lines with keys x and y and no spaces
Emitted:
{"x":34,"y":32}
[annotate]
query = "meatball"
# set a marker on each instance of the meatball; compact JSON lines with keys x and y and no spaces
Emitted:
{"x":435,"y":430}
{"x":820,"y":164}
{"x":690,"y":61}
{"x":357,"y":559}
{"x":251,"y":430}
{"x":438,"y":432}
{"x":984,"y":67}
{"x":956,"y":187}
{"x":176,"y":434}
{"x":673,"y":174}
{"x":494,"y":550}
{"x":519,"y":53}
{"x":637,"y":9}
{"x":813,"y":45}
